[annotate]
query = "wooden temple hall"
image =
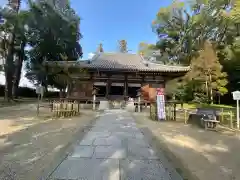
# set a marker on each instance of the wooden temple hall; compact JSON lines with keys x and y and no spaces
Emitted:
{"x":116,"y":75}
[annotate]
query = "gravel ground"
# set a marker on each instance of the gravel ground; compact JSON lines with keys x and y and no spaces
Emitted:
{"x":31,"y":147}
{"x":197,"y":154}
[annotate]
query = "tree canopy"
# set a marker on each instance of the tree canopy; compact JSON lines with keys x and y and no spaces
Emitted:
{"x":49,"y":33}
{"x":204,"y":34}
{"x":51,"y":38}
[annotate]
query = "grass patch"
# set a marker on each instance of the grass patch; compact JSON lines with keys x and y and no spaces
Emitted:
{"x":196,"y":105}
{"x":227,"y":113}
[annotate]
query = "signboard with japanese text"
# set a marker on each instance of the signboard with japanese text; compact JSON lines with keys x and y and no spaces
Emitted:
{"x":161,"y":104}
{"x":236,"y":95}
{"x":40,"y":90}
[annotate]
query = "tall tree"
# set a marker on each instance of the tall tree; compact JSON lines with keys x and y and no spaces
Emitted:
{"x":146,"y":49}
{"x":51,"y":39}
{"x":11,"y":15}
{"x":100,"y":48}
{"x":20,"y":44}
{"x":123,"y":46}
{"x":207,"y":69}
{"x":178,"y":32}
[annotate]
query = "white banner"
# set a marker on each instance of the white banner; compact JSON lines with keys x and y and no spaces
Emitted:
{"x":161,"y":104}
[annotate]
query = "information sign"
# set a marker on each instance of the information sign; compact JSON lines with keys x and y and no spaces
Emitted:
{"x":161,"y":104}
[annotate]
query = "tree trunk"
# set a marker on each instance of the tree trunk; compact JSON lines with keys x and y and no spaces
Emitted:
{"x":9,"y":68}
{"x":45,"y":85}
{"x":219,"y":99}
{"x":18,"y":70}
{"x":60,"y":93}
{"x":206,"y":87}
{"x":211,"y":90}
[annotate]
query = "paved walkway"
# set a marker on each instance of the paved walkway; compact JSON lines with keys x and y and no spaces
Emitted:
{"x":115,"y":149}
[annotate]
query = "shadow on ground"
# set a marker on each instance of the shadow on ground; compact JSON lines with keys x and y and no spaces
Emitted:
{"x":199,"y":154}
{"x":30,"y":147}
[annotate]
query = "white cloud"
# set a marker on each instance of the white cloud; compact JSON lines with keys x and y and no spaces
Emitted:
{"x":90,"y":55}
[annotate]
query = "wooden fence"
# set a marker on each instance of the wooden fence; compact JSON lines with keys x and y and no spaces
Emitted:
{"x":226,"y":116}
{"x":64,"y":108}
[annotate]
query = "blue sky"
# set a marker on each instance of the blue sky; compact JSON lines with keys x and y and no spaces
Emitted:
{"x":107,"y":21}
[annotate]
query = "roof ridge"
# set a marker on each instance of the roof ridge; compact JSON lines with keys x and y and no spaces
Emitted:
{"x":167,"y":64}
{"x":118,"y":53}
{"x":95,"y":57}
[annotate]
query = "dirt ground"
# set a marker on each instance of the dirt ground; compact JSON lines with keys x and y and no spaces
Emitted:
{"x":196,"y":153}
{"x":30,"y":146}
{"x":18,"y":101}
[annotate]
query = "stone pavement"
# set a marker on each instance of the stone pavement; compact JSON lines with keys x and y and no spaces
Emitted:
{"x":114,"y":149}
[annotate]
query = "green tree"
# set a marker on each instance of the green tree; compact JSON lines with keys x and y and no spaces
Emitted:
{"x":207,"y":69}
{"x":145,"y":49}
{"x":51,"y":39}
{"x":178,"y":32}
{"x":100,"y":48}
{"x":123,"y":46}
{"x":8,"y":44}
{"x":182,"y":36}
{"x":20,"y":44}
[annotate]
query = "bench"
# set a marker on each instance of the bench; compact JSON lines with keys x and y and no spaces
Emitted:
{"x":206,"y":118}
{"x":209,"y":121}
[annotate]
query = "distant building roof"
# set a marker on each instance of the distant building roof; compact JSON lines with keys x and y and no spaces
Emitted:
{"x":125,"y":61}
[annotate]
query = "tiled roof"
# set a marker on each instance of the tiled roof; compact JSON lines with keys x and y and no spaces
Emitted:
{"x":128,"y":62}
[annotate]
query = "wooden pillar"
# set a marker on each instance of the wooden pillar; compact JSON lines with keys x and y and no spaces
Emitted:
{"x":94,"y":99}
{"x":69,"y":88}
{"x":108,"y":85}
{"x":107,"y":88}
{"x":125,"y":86}
{"x":142,"y":80}
{"x":92,"y":80}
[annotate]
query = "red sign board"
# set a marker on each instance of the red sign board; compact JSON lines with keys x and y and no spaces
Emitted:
{"x":160,"y":91}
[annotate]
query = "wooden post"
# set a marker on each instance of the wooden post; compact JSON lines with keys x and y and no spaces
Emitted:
{"x":231,"y":119}
{"x":38,"y":105}
{"x":125,"y":86}
{"x":139,"y":103}
{"x":108,"y":85}
{"x":237,"y":113}
{"x":185,"y":116}
{"x":174,"y":112}
{"x":222,"y":116}
{"x":94,"y":99}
